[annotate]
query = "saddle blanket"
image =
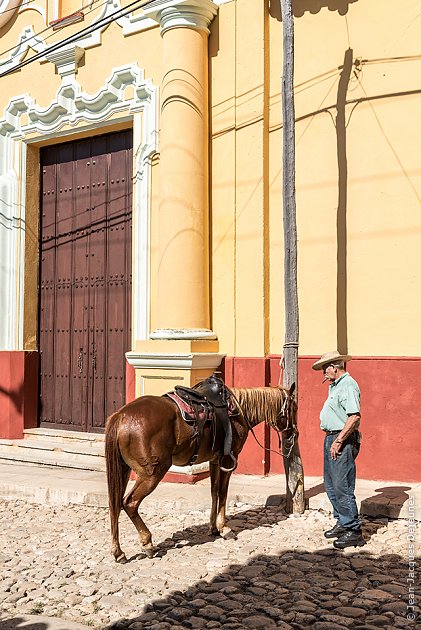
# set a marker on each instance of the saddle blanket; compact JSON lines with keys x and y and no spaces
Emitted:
{"x":204,"y":412}
{"x":187,"y":411}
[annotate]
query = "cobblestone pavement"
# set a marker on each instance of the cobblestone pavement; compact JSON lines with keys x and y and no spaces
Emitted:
{"x":273,"y":571}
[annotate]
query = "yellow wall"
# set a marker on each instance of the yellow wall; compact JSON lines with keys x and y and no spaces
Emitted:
{"x":382,"y":139}
{"x":40,"y":80}
{"x":382,"y":208}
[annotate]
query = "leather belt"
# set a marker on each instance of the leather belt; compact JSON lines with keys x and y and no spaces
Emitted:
{"x":333,"y":432}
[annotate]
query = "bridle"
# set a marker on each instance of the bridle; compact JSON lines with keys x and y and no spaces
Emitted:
{"x":290,"y":426}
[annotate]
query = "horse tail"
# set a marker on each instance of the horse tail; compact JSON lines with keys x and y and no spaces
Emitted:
{"x":117,"y":470}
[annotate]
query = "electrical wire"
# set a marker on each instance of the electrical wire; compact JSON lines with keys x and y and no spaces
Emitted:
{"x":50,"y":27}
{"x":85,"y":31}
{"x":21,"y":6}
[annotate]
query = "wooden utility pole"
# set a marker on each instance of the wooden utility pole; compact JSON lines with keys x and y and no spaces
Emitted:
{"x":290,"y":448}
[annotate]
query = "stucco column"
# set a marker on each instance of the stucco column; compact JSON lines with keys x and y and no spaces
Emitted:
{"x":181,"y":309}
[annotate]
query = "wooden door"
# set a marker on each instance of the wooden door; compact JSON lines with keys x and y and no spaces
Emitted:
{"x":85,"y":280}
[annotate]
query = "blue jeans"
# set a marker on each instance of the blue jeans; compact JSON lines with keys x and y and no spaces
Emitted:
{"x":339,"y":479}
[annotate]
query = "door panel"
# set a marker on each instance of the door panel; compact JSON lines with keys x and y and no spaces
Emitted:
{"x":85,"y":283}
{"x":47,"y":286}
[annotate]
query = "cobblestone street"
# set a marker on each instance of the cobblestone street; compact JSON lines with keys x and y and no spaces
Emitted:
{"x":273,"y":571}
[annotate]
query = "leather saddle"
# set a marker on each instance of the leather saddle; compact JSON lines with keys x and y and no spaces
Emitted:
{"x":211,"y":400}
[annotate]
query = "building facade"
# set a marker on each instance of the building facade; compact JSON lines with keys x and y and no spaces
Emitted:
{"x":141,"y":231}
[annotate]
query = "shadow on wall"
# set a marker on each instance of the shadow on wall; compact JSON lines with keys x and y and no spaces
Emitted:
{"x":16,"y":396}
{"x":314,"y":6}
{"x":300,"y":7}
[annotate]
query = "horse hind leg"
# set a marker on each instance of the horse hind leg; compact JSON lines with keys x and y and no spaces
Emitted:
{"x":144,"y":485}
{"x":118,"y":473}
{"x":116,"y":550}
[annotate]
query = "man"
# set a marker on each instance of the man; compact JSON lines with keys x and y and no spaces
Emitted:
{"x":340,"y":419}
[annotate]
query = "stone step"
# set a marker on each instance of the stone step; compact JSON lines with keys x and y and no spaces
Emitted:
{"x":61,"y":435}
{"x":68,"y":449}
{"x":72,"y":453}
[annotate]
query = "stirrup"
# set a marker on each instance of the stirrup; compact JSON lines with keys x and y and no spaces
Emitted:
{"x":234,"y":463}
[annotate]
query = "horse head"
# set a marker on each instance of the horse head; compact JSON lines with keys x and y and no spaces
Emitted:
{"x":286,"y":418}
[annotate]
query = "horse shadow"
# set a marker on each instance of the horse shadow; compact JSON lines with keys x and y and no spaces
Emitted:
{"x":388,"y":504}
{"x":192,"y":536}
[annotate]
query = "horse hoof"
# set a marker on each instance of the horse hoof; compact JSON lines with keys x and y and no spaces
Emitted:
{"x":227,"y":533}
{"x":149,"y":553}
{"x":215,"y":531}
{"x":121,"y":559}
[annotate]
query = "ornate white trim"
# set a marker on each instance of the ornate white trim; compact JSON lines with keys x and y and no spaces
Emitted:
{"x":22,"y":119}
{"x":183,"y":333}
{"x":111,"y":11}
{"x":169,"y":13}
{"x":27,"y":40}
{"x":30,"y":5}
{"x":175,"y":361}
{"x":66,"y":59}
{"x":197,"y":14}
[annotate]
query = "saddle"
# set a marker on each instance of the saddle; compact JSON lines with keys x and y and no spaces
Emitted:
{"x":209,"y":401}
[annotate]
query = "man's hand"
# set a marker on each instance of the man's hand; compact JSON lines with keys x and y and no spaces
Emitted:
{"x":335,"y":449}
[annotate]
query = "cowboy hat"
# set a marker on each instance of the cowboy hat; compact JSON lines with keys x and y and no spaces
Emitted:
{"x":330,"y":357}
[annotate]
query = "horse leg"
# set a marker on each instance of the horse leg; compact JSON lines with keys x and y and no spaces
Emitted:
{"x":219,"y":492}
{"x":116,"y":550}
{"x":224,"y":478}
{"x":214,"y":476}
{"x":144,"y":485}
{"x":118,"y":473}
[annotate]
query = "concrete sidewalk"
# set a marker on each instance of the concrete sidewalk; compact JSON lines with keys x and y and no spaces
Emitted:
{"x":61,"y":486}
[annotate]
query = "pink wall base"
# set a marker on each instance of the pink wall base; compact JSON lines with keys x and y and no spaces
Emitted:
{"x":390,"y":403}
{"x":18,"y":393}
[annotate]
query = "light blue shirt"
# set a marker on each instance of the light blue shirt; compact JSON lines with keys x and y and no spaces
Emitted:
{"x":343,"y":401}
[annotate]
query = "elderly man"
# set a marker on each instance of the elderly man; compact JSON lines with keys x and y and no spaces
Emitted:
{"x":340,"y":419}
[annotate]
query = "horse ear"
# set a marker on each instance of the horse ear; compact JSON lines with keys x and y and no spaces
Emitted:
{"x":292,"y":389}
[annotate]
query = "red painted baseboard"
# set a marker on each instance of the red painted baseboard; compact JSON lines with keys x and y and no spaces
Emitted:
{"x":390,"y":403}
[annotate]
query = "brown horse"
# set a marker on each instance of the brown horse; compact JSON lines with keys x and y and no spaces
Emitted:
{"x":149,"y":434}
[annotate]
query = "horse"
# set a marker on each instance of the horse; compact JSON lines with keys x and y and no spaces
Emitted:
{"x":149,"y":434}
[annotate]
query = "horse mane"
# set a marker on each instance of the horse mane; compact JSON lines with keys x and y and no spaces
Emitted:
{"x":258,"y":404}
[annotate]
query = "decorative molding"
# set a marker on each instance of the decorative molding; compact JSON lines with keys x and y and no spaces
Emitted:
{"x":196,"y":14}
{"x":175,"y":361}
{"x":31,"y":5}
{"x":182,"y":333}
{"x":169,"y":13}
{"x":72,"y":106}
{"x":66,"y":59}
{"x":25,"y":122}
{"x":27,"y":40}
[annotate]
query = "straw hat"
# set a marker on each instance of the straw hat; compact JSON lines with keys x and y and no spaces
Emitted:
{"x":330,"y":357}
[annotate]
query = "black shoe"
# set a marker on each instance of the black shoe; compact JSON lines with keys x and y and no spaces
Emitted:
{"x":351,"y":538}
{"x":335,"y":532}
